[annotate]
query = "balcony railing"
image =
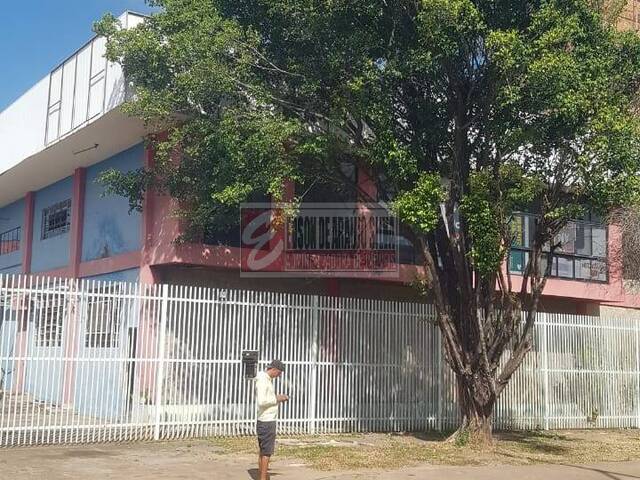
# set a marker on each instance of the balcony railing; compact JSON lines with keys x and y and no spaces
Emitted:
{"x":85,"y":86}
{"x":10,"y":241}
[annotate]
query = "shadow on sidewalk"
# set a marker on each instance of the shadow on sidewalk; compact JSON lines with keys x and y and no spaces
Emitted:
{"x":604,"y":473}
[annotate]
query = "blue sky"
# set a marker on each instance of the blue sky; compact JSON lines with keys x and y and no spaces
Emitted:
{"x":36,"y":35}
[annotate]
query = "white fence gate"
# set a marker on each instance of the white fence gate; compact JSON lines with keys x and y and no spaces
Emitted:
{"x":86,"y":361}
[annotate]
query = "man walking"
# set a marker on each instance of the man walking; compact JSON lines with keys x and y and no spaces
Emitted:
{"x":267,"y":402}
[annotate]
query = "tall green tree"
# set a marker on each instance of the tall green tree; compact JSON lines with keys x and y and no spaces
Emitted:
{"x":485,"y":106}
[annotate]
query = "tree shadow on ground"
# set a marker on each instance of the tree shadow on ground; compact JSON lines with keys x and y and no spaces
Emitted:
{"x":426,"y":436}
{"x":605,"y":473}
{"x":540,"y":442}
{"x":529,"y":441}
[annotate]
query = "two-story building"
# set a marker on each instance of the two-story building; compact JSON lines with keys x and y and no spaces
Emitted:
{"x":56,"y":220}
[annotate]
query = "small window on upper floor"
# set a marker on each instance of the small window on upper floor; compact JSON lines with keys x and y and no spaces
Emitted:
{"x":56,"y":219}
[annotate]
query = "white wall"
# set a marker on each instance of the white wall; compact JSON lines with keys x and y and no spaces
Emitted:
{"x":22,"y":126}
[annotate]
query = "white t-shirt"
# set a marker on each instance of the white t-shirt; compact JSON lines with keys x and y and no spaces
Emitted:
{"x":266,"y":399}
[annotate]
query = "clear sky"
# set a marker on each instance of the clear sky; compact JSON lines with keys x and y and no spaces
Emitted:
{"x":36,"y":35}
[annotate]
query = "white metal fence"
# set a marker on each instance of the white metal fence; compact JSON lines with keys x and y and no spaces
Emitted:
{"x":87,"y":361}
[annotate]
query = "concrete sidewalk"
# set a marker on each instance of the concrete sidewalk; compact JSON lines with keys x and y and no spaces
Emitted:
{"x":612,"y":471}
{"x":199,"y":460}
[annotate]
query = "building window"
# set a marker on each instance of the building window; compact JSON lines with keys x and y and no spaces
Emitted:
{"x":581,"y":255}
{"x":56,"y":219}
{"x":104,"y":308}
{"x":337,"y":184}
{"x":10,"y":241}
{"x":49,"y":322}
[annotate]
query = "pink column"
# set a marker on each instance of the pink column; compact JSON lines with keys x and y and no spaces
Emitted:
{"x":367,"y":188}
{"x":75,"y":258}
{"x":147,"y":344}
{"x":21,"y":344}
{"x":160,"y":228}
{"x":71,"y":348}
{"x":27,"y":229}
{"x":148,"y":213}
{"x":146,"y":338}
{"x":367,"y":194}
{"x":21,"y":339}
{"x":77,"y":221}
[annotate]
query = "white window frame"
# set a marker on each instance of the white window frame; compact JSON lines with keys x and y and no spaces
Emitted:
{"x":104,"y":317}
{"x":50,"y":312}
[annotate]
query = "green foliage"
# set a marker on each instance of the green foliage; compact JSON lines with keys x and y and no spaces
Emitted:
{"x":520,"y":105}
{"x":419,"y":207}
{"x":483,"y":222}
{"x":463,"y":438}
{"x":513,"y":105}
{"x":126,"y":184}
{"x":487,"y":208}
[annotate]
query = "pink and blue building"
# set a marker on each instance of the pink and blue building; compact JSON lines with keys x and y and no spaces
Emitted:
{"x":55,"y":219}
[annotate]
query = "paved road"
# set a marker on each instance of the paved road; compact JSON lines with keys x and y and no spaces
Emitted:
{"x":199,"y":461}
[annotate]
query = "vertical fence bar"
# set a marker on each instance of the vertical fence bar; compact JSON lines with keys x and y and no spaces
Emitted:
{"x":440,"y":380}
{"x":313,"y":381}
{"x":545,"y":367}
{"x":160,"y":360}
{"x":636,"y":325}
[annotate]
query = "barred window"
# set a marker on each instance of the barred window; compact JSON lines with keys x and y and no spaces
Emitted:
{"x":56,"y":219}
{"x":49,"y":322}
{"x":10,"y":241}
{"x":104,"y":308}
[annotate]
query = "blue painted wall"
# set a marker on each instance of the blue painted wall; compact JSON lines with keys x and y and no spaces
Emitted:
{"x":131,"y":275}
{"x":108,"y":230}
{"x":43,"y":377}
{"x":12,"y":216}
{"x":14,"y":270}
{"x":7,"y":346}
{"x":53,"y":252}
{"x":108,"y":399}
{"x":108,"y":227}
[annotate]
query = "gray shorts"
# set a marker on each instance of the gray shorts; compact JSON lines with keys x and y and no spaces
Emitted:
{"x":266,"y":437}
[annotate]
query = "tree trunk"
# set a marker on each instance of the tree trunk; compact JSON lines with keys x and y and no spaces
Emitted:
{"x":476,"y":401}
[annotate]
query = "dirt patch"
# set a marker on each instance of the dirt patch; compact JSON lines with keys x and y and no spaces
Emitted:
{"x":88,"y":453}
{"x":381,"y":451}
